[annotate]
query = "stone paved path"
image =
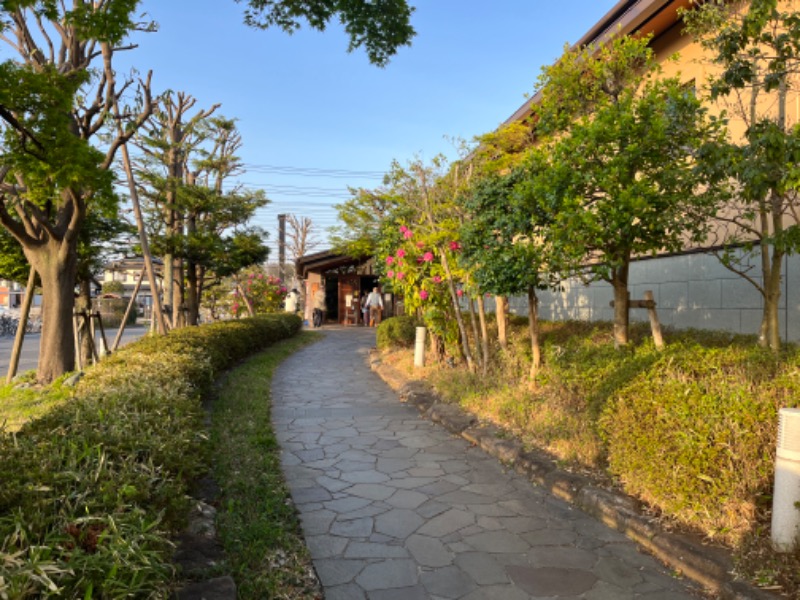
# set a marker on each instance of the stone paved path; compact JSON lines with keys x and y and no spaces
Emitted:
{"x":395,"y":508}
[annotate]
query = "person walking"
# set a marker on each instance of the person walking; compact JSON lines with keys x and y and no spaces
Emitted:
{"x":365,"y":309}
{"x":291,"y":302}
{"x":319,"y":308}
{"x":375,"y":303}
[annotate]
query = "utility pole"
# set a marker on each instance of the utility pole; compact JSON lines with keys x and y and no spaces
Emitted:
{"x":282,"y":246}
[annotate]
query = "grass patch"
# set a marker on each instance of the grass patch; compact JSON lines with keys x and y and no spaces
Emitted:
{"x":258,"y":524}
{"x":22,"y":401}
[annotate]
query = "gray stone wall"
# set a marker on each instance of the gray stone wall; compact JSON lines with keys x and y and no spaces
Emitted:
{"x":691,"y":291}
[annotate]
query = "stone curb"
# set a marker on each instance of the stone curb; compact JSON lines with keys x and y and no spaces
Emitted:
{"x":198,"y":551}
{"x":710,"y":566}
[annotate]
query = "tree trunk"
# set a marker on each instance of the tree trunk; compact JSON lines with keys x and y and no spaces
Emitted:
{"x":192,"y":295}
{"x":84,"y":304}
{"x":475,"y":333}
{"x":501,"y":306}
{"x":772,"y":278}
{"x":192,"y":283}
{"x":435,"y":344}
{"x":533,"y":330}
{"x":484,"y":334}
{"x":457,"y":308}
{"x":56,"y":268}
{"x":619,"y":281}
{"x":772,"y":266}
{"x":178,"y":300}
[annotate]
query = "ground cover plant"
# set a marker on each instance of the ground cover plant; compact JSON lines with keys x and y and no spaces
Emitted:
{"x":690,"y":430}
{"x":94,"y":489}
{"x":264,"y":548}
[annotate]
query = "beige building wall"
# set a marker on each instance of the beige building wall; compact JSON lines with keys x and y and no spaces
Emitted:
{"x":692,"y":290}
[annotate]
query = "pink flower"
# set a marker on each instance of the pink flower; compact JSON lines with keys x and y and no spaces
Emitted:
{"x":389,"y":274}
{"x":283,"y":290}
{"x":403,"y":228}
{"x":459,"y":293}
{"x":419,"y":260}
{"x":407,"y":234}
{"x":423,"y":294}
{"x":401,"y":253}
{"x":427,"y":257}
{"x":400,"y":275}
{"x":437,"y":279}
{"x":389,"y":260}
{"x":454,"y":246}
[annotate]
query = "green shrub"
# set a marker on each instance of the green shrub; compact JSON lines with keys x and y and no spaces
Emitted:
{"x":694,"y":435}
{"x":113,"y":309}
{"x":113,"y":287}
{"x":93,"y":491}
{"x":397,"y":332}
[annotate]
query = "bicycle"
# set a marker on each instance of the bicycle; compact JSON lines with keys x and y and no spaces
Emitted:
{"x":8,"y":325}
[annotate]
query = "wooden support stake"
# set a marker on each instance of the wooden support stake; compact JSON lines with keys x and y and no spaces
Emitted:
{"x":102,"y":332}
{"x":128,"y":310}
{"x":76,"y":328}
{"x":23,"y":322}
{"x":658,"y":338}
{"x":650,"y":304}
{"x":87,"y":316}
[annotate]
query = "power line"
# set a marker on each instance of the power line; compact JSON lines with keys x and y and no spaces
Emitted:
{"x":298,"y":190}
{"x":312,"y":171}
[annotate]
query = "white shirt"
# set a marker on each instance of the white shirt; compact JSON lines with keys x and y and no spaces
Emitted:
{"x":374,"y":299}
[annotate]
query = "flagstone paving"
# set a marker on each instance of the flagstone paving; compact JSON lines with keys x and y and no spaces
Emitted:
{"x":394,"y":507}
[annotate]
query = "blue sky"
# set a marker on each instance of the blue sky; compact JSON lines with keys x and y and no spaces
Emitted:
{"x":303,"y":102}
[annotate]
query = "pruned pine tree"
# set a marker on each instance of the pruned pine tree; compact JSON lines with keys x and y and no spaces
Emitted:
{"x":195,"y":222}
{"x":169,"y":139}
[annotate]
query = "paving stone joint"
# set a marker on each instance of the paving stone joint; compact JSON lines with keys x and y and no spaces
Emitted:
{"x":712,"y":567}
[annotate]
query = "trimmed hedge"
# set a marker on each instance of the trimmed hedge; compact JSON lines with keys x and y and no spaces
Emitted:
{"x":92,"y":492}
{"x":694,"y":435}
{"x":397,"y":332}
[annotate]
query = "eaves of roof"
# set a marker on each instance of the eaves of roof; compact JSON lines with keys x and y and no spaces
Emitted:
{"x":322,"y":261}
{"x":627,"y":17}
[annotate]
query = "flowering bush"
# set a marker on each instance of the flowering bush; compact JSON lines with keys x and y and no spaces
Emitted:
{"x":417,"y":274}
{"x":265,"y":294}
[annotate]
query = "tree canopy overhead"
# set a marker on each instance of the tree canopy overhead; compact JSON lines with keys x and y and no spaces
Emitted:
{"x":379,"y":26}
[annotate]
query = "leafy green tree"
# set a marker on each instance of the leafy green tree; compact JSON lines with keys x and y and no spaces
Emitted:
{"x":497,"y":153}
{"x":13,"y":264}
{"x":380,"y":26}
{"x":366,"y":218}
{"x":756,"y":49}
{"x":431,"y":219}
{"x":506,"y":238}
{"x":55,"y":97}
{"x":624,"y":178}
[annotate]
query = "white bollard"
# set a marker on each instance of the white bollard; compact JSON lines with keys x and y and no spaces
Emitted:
{"x":419,"y":348}
{"x":785,"y":513}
